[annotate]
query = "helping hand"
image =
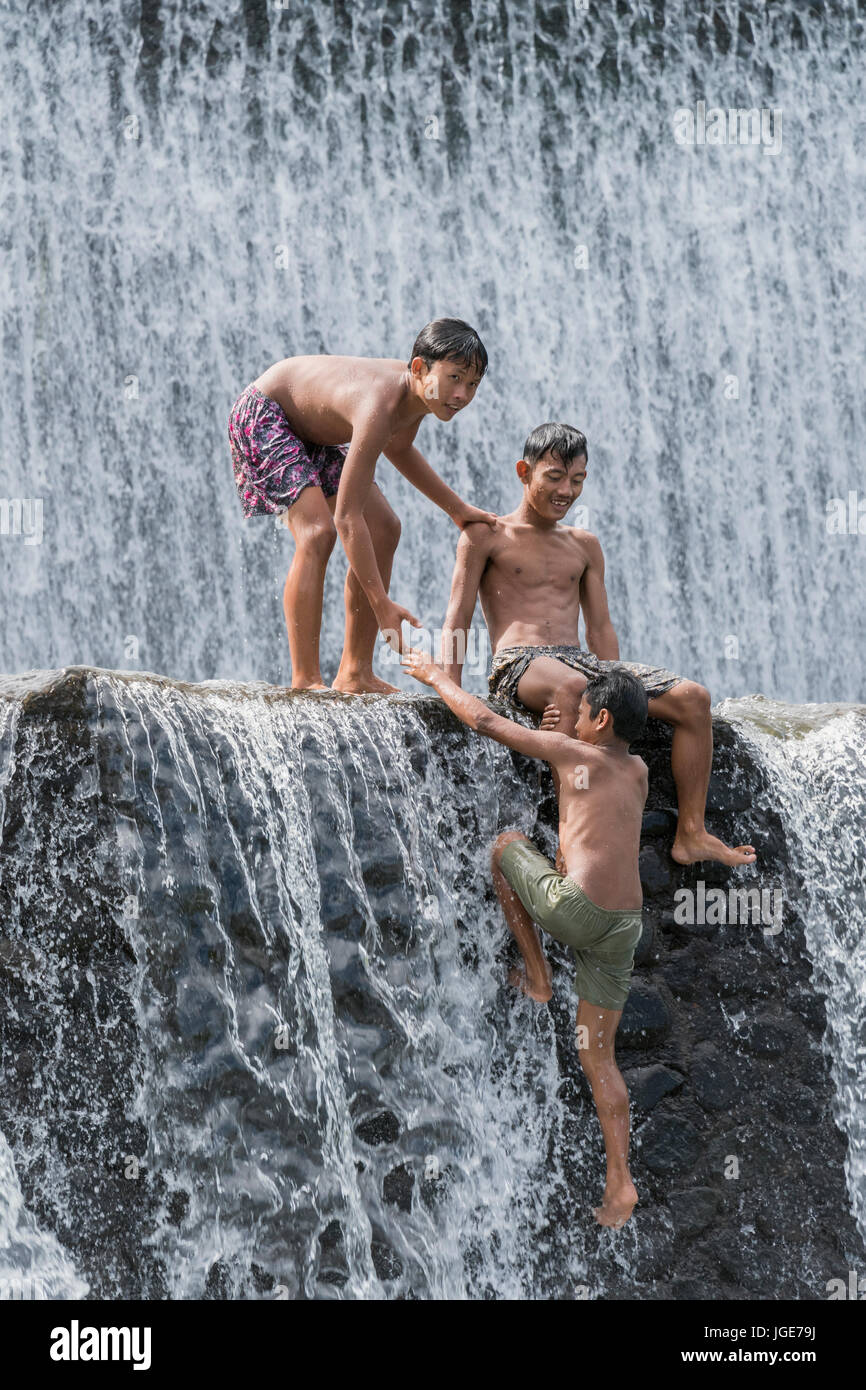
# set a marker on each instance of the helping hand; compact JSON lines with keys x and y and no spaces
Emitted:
{"x":470,"y":514}
{"x":390,"y":618}
{"x":422,"y":667}
{"x":550,"y":718}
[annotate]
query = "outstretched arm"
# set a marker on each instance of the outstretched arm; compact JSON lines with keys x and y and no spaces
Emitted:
{"x":549,"y":747}
{"x":600,"y":636}
{"x":369,"y":436}
{"x":473,"y":549}
{"x":412,"y":464}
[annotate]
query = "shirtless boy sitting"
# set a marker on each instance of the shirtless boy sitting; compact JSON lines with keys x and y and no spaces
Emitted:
{"x":595,"y":906}
{"x":535,"y":575}
{"x":289,"y":431}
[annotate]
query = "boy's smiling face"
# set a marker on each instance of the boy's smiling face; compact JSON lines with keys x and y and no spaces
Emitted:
{"x":552,"y":486}
{"x":446,"y":386}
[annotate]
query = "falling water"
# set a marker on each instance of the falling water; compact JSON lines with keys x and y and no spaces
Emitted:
{"x":816,"y":756}
{"x":191,"y":192}
{"x":318,"y":969}
{"x":257,"y":1039}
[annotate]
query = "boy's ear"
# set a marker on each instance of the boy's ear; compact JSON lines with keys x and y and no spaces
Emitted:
{"x":524,"y":470}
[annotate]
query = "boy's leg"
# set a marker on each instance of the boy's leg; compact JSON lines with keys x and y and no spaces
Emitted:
{"x":547,"y":681}
{"x":355,"y":676}
{"x":310,"y":521}
{"x":687,"y":707}
{"x":596,"y":1030}
{"x":535,"y":978}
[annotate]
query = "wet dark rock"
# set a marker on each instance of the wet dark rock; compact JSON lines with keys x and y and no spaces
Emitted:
{"x":692,"y":1290}
{"x":686,"y":973}
{"x":684,"y":933}
{"x":646,"y":952}
{"x":811,"y":1008}
{"x":659,"y":824}
{"x":747,"y":976}
{"x":799,"y":1106}
{"x":713,"y":1080}
{"x":654,"y":868}
{"x":647,"y":1085}
{"x":398,"y":1187}
{"x":646,"y":1017}
{"x":749,"y":1264}
{"x":381,"y":1128}
{"x":386,"y":1264}
{"x":728,"y":793}
{"x":767,"y":1037}
{"x":178,"y":1206}
{"x":693,"y":1209}
{"x":669,"y":1144}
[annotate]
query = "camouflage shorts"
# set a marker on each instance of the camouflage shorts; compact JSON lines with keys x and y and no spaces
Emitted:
{"x":510,"y":665}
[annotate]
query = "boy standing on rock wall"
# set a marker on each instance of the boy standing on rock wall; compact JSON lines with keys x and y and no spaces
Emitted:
{"x":305,"y":438}
{"x":595,"y":905}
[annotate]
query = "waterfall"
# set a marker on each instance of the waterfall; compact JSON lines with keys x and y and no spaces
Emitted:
{"x":193,"y":192}
{"x":258,"y":1041}
{"x":817,"y":758}
{"x":318,"y":969}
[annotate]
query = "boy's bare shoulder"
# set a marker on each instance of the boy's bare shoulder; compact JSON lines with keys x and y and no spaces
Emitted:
{"x":640,"y":768}
{"x":377,"y":381}
{"x":479,"y":538}
{"x":584,"y":538}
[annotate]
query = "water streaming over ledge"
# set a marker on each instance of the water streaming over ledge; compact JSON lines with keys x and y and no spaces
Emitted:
{"x":191,"y":192}
{"x":816,"y":756}
{"x":271,"y":916}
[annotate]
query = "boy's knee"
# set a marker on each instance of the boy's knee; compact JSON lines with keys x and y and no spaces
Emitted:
{"x":594,"y":1059}
{"x":390,"y":531}
{"x":694,"y":700}
{"x":319,"y":538}
{"x":506,"y":838}
{"x":568,"y":693}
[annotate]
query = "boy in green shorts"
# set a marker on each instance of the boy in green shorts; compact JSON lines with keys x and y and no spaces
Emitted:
{"x":595,"y":906}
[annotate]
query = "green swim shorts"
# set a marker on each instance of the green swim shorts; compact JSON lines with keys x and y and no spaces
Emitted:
{"x":602,"y":940}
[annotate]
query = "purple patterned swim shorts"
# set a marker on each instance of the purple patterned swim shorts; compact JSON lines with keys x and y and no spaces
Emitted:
{"x":271,"y":465}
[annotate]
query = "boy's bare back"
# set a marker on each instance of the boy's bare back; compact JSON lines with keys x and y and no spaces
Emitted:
{"x":322,"y":397}
{"x":602,"y":793}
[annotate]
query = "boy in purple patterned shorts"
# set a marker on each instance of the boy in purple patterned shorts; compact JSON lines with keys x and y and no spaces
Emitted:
{"x":305,"y":438}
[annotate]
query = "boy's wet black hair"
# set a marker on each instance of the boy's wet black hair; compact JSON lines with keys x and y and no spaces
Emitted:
{"x":624,"y":697}
{"x":450,"y":340}
{"x":563,"y":440}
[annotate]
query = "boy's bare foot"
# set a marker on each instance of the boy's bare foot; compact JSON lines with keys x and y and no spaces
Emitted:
{"x":538,"y":990}
{"x":617,"y":1204}
{"x":363,"y":685}
{"x":309,"y":685}
{"x":692,"y":848}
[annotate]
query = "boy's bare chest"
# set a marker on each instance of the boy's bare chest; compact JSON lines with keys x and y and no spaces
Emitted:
{"x":556,"y":567}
